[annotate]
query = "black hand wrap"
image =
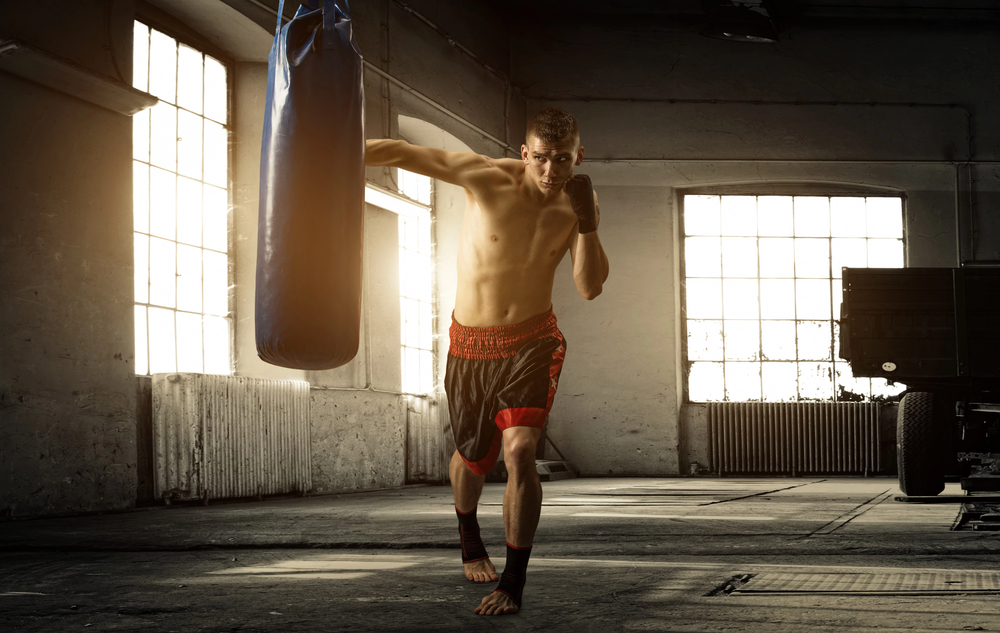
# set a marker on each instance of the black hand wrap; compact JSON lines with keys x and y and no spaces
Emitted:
{"x":581,"y":198}
{"x":468,"y":535}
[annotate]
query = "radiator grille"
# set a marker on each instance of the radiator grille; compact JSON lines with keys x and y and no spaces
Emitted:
{"x":218,"y":437}
{"x":794,"y":438}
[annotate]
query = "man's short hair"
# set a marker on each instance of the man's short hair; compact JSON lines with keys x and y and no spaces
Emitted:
{"x":552,"y":125}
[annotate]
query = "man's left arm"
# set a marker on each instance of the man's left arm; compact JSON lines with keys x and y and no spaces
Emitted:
{"x":590,"y":263}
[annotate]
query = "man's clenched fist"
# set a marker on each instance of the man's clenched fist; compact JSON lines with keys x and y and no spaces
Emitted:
{"x":581,"y":198}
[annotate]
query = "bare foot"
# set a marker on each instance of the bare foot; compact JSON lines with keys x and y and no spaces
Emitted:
{"x":497,"y":603}
{"x":481,"y":571}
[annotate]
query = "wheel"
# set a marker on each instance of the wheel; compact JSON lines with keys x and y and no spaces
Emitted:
{"x":919,"y":446}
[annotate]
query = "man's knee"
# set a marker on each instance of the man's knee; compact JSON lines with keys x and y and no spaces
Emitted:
{"x":519,"y":452}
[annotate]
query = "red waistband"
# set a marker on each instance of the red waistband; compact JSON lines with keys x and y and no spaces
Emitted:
{"x":499,"y":341}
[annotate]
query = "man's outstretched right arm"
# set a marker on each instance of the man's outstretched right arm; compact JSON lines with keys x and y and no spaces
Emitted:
{"x":465,"y":169}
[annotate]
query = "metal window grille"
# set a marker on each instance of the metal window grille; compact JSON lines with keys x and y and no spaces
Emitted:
{"x":762,"y":292}
{"x":416,"y":288}
{"x":181,"y":206}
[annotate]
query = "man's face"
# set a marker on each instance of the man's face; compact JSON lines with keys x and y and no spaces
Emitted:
{"x":550,"y":165}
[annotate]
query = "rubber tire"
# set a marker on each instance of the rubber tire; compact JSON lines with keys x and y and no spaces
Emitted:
{"x":919,"y":446}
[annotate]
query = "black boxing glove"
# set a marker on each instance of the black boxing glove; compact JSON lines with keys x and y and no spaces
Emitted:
{"x":581,"y":198}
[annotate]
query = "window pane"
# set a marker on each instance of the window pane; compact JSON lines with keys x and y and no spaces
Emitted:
{"x":216,"y":276}
{"x":742,"y":381}
{"x":705,"y":382}
{"x":141,"y":342}
{"x":704,"y":340}
{"x":141,"y":268}
{"x":189,"y":144}
{"x":739,"y":298}
{"x":426,"y":272}
{"x":162,"y":66}
{"x":847,"y":217}
{"x":215,"y":90}
{"x":778,"y":340}
{"x":777,"y":257}
{"x":216,"y":158}
{"x":812,"y":299}
{"x":777,"y":298}
{"x":780,"y":382}
{"x":849,"y":388}
{"x":140,"y":61}
{"x":702,"y":257}
{"x":189,"y":279}
{"x":702,"y":215}
{"x":163,"y":203}
{"x":812,"y":258}
{"x":409,"y":273}
{"x":140,"y":197}
{"x":162,"y":352}
{"x":739,"y":215}
{"x":411,"y":234}
{"x":216,"y":345}
{"x":411,"y":322}
{"x":885,"y":253}
{"x":739,"y":256}
{"x":852,"y":253}
{"x":885,"y":217}
{"x":189,"y":79}
{"x":424,"y":246}
{"x":816,"y":381}
{"x":774,"y":216}
{"x":812,"y":216}
{"x":426,"y":326}
{"x":426,"y":372}
{"x":704,"y":298}
{"x":189,"y":211}
{"x":814,"y":340}
{"x":163,"y":139}
{"x":162,"y":274}
{"x":837,"y":296}
{"x":882,"y":389}
{"x":189,"y":346}
{"x":216,"y":219}
{"x":140,"y":135}
{"x":742,"y":340}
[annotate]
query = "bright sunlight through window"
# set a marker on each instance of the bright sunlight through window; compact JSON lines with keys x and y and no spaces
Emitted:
{"x":763,"y":292}
{"x":181,"y":171}
{"x":416,"y":288}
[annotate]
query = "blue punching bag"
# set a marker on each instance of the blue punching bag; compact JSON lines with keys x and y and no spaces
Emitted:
{"x":312,"y":180}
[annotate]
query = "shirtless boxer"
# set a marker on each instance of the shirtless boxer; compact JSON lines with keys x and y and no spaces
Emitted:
{"x":506,"y":351}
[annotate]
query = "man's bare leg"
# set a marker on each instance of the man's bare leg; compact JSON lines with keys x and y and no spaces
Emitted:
{"x":522,"y":504}
{"x":468,"y":486}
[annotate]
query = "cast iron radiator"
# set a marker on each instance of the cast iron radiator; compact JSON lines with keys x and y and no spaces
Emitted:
{"x":794,"y":438}
{"x":218,"y":437}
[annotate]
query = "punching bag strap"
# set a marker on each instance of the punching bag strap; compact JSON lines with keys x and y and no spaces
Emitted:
{"x":281,"y":14}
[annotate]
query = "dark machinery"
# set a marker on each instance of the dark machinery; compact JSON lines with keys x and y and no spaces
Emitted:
{"x":937,"y":331}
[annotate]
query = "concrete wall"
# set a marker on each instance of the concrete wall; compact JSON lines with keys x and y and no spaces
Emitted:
{"x":67,"y":393}
{"x":69,"y":416}
{"x":664,"y":111}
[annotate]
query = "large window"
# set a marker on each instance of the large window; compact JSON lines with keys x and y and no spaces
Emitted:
{"x":181,"y":175}
{"x":416,"y":287}
{"x":762,"y":292}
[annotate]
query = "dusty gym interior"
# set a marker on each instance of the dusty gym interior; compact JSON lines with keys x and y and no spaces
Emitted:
{"x":666,"y":526}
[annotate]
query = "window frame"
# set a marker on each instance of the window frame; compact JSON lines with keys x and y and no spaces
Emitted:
{"x":153,"y":18}
{"x":781,"y":189}
{"x":434,"y":302}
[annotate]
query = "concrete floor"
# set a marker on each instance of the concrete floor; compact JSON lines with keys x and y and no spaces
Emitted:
{"x":610,"y":555}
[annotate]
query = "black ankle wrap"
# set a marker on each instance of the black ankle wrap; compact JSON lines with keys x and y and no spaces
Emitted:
{"x":468,"y":535}
{"x":515,"y":572}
